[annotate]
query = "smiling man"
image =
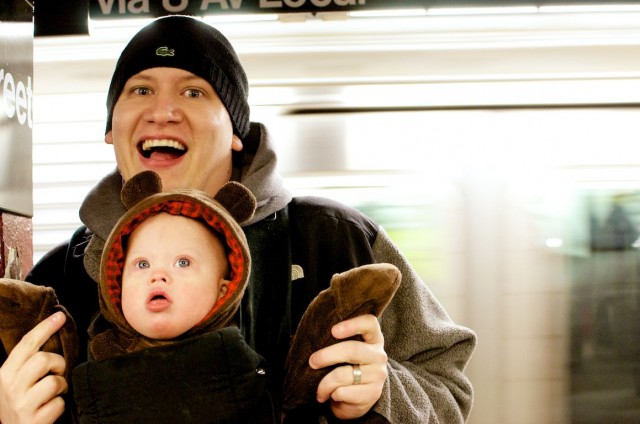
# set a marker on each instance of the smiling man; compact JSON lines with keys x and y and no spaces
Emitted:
{"x":178,"y":105}
{"x":170,"y":121}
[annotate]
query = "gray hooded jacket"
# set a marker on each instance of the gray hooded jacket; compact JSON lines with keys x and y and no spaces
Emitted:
{"x":427,"y":351}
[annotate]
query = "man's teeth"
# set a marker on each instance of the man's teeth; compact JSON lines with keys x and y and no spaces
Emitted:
{"x":150,"y":144}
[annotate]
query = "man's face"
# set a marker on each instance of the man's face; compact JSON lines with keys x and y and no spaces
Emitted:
{"x":172,"y":122}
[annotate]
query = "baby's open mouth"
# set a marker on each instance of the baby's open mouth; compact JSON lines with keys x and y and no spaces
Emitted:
{"x":157,"y":296}
{"x":162,"y":149}
{"x":158,"y":301}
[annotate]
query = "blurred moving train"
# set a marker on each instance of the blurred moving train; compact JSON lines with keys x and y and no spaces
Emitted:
{"x":499,"y":150}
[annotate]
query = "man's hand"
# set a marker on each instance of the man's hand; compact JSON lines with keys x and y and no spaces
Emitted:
{"x":349,"y":400}
{"x":31,"y":381}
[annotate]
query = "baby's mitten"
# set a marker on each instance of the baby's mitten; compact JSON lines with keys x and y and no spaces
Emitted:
{"x":367,"y":289}
{"x":22,"y":306}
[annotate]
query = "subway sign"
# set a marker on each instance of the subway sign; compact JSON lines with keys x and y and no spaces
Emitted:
{"x":113,"y":9}
{"x":57,"y":10}
{"x":16,"y":111}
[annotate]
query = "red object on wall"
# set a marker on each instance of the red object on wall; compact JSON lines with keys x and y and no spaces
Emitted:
{"x":16,"y":235}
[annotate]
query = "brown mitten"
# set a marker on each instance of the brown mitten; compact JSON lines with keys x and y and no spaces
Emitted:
{"x":22,"y":306}
{"x":367,"y":289}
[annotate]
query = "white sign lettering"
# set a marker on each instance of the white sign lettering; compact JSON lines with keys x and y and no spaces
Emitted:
{"x":317,"y":3}
{"x":235,"y":4}
{"x":17,"y":98}
{"x":107,"y":8}
{"x":124,"y":6}
{"x":179,"y":8}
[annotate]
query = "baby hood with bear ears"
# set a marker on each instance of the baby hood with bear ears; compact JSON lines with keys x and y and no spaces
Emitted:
{"x":143,"y":197}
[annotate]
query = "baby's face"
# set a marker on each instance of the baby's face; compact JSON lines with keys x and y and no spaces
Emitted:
{"x":173,"y":275}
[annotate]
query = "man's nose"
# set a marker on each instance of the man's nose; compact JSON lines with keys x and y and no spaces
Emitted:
{"x":164,"y":109}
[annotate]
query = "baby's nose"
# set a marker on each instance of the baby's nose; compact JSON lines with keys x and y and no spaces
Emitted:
{"x":159,"y":277}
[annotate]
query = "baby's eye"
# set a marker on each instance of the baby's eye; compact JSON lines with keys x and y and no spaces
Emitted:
{"x":143,"y":264}
{"x":183,"y":262}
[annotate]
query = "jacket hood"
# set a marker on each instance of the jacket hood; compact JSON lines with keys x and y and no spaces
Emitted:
{"x":255,"y":167}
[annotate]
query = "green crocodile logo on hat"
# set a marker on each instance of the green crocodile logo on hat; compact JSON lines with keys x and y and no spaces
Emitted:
{"x":164,"y":51}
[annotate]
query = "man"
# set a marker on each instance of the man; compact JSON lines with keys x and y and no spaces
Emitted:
{"x":177,"y":105}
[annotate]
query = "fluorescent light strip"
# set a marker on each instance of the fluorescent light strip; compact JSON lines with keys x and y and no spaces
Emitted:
{"x":450,"y":11}
{"x":257,"y":17}
{"x":116,"y":28}
{"x":388,"y":13}
{"x":590,"y":8}
{"x":118,"y":23}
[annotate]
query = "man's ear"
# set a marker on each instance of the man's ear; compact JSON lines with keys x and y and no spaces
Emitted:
{"x":236,"y":143}
{"x":108,"y":138}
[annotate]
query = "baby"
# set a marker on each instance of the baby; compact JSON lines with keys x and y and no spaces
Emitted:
{"x":172,"y":275}
{"x":176,"y":265}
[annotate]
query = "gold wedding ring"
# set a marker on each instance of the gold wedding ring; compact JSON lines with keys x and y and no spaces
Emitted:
{"x":357,"y":374}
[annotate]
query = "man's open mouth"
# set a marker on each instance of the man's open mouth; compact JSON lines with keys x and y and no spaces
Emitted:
{"x":162,"y":149}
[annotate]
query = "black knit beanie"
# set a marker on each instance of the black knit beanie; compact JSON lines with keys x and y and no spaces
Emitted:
{"x":186,"y":43}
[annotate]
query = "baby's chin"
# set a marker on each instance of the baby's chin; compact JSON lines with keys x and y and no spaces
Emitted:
{"x":161,"y":333}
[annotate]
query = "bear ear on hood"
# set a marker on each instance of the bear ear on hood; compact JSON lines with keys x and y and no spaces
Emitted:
{"x":237,"y":200}
{"x":139,"y":187}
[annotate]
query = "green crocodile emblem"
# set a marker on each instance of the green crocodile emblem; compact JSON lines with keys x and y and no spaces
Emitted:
{"x":164,"y":51}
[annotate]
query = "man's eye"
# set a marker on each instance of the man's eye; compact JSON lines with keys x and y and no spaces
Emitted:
{"x":183,"y":262}
{"x":141,"y":91}
{"x":143,"y":264}
{"x":193,"y":93}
